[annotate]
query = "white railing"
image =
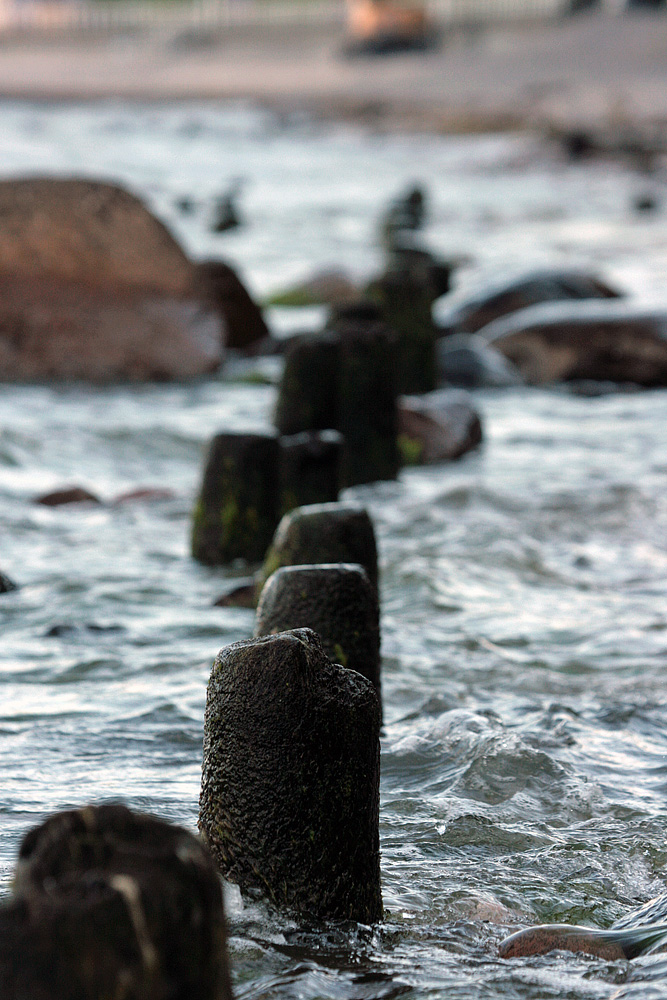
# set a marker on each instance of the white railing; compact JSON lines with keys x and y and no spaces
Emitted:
{"x":465,"y":11}
{"x":156,"y":15}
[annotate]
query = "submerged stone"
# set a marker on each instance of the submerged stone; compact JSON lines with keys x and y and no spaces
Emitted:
{"x":67,"y":495}
{"x":242,"y":594}
{"x":337,"y":601}
{"x":289,"y":800}
{"x":328,"y":287}
{"x":467,"y":361}
{"x":239,"y":502}
{"x":438,"y":427}
{"x":93,"y":287}
{"x":324,"y":533}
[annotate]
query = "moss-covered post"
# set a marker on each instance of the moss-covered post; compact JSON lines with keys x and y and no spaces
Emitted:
{"x":323,"y":533}
{"x":308,"y":397}
{"x":289,"y":799}
{"x":111,"y":903}
{"x":367,"y":415}
{"x":310,"y":469}
{"x":405,"y":302}
{"x":337,"y":601}
{"x":239,"y":502}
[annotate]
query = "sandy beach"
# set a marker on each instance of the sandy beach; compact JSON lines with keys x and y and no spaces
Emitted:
{"x":592,"y":69}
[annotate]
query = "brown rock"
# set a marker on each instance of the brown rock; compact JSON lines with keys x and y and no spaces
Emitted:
{"x":87,"y":231}
{"x":518,"y":293}
{"x":93,"y":287}
{"x":437,"y":427}
{"x":601,"y":341}
{"x":145,"y":493}
{"x":332,"y":286}
{"x":241,"y":595}
{"x":242,"y":318}
{"x":69,"y":494}
{"x":562,"y":937}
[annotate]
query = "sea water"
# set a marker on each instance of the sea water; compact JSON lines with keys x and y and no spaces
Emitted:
{"x":523,"y":589}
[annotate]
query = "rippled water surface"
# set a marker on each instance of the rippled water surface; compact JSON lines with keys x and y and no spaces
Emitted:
{"x":524,"y":589}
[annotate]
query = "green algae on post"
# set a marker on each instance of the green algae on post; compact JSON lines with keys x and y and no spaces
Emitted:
{"x":238,"y":506}
{"x":323,"y":533}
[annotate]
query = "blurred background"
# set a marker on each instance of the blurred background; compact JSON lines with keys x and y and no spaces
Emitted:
{"x":309,"y":144}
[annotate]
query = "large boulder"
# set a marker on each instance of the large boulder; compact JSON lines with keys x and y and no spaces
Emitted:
{"x":602,"y":341}
{"x":519,"y":292}
{"x":93,"y":287}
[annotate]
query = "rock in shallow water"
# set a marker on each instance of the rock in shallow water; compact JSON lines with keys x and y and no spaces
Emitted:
{"x":520,"y":292}
{"x":601,"y":341}
{"x":244,"y":325}
{"x":67,"y":495}
{"x":93,"y":287}
{"x":437,"y":427}
{"x":6,"y":585}
{"x":467,"y":361}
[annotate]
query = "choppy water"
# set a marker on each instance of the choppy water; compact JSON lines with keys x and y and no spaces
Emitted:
{"x":524,"y":589}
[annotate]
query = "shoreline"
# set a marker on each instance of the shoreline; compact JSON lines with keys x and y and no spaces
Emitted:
{"x":588,"y":71}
